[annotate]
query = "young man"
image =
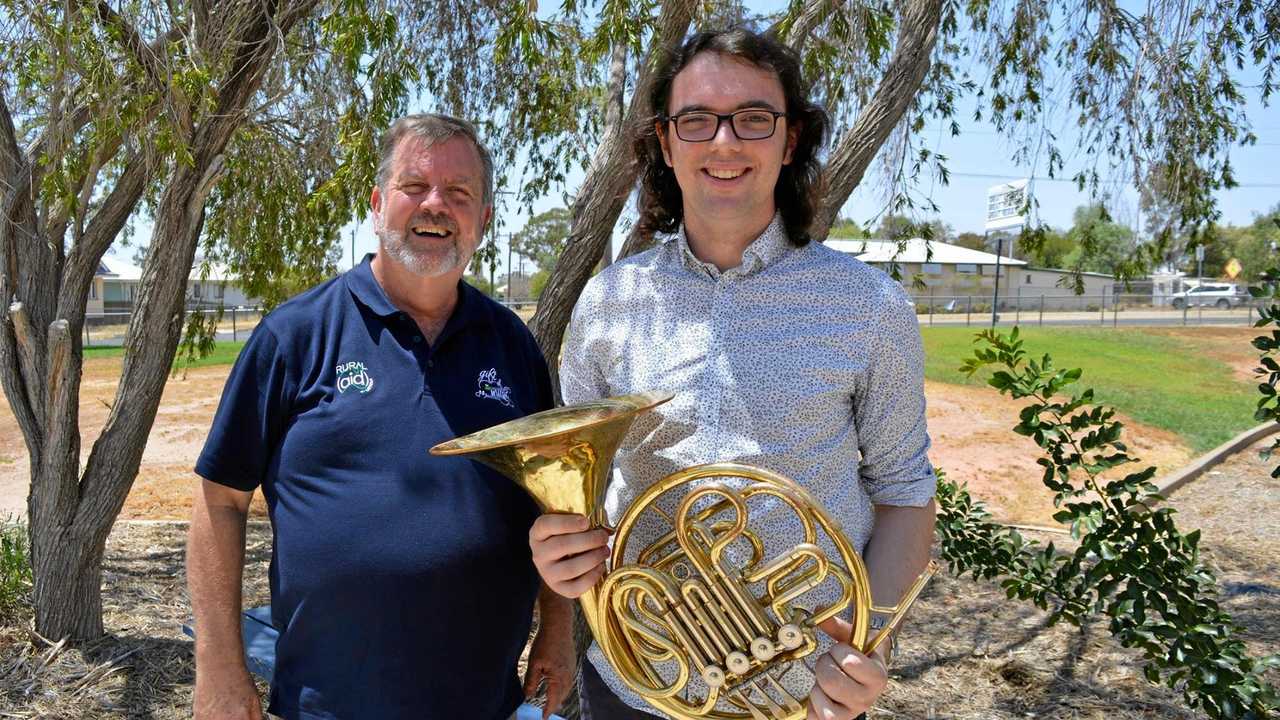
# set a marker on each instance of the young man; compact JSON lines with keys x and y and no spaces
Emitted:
{"x":400,"y":581}
{"x":783,"y":353}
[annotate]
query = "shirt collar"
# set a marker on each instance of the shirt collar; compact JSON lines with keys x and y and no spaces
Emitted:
{"x":364,"y":286}
{"x":769,"y":247}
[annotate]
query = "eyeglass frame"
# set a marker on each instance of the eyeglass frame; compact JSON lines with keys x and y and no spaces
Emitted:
{"x":720,"y":121}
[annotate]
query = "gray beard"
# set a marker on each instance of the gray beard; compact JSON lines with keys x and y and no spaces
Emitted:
{"x":420,"y":263}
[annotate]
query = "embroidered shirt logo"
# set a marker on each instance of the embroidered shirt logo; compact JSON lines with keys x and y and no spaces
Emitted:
{"x":491,"y":387}
{"x":354,"y":376}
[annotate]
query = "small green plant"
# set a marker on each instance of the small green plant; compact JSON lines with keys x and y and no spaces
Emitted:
{"x":1132,"y":565}
{"x":1268,"y":371}
{"x":15,"y":571}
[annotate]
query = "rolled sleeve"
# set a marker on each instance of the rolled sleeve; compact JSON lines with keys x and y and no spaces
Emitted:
{"x":890,"y":413}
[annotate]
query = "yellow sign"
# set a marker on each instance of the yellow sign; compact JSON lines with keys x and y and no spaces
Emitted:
{"x":1233,"y":268}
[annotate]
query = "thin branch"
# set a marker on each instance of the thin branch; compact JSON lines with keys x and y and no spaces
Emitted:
{"x":144,"y":54}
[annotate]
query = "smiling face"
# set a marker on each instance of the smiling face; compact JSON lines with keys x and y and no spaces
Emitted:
{"x":726,"y":179}
{"x":431,"y":214}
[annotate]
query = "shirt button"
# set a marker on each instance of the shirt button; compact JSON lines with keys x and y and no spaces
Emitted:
{"x":417,"y":338}
{"x":431,"y":363}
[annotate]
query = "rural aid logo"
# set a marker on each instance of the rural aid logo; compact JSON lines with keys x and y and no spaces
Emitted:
{"x":354,"y":376}
{"x":491,"y":387}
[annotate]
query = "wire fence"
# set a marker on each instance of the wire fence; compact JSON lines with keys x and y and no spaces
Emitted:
{"x":108,"y":329}
{"x":1114,"y":310}
{"x":1101,"y":309}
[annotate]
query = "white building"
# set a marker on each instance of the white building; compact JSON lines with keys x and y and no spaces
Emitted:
{"x":115,"y":288}
{"x":955,"y":276}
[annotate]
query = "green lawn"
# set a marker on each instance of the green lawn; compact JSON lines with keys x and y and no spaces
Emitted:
{"x":1170,"y":383}
{"x":224,"y":354}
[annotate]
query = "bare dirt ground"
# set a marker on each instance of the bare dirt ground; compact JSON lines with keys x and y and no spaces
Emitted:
{"x":970,"y":428}
{"x":969,"y":654}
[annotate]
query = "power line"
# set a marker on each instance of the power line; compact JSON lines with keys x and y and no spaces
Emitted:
{"x":992,"y":176}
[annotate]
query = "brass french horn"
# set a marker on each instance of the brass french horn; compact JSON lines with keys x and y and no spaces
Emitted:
{"x":706,"y":618}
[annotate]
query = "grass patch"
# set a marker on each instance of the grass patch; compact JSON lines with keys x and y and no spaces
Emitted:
{"x":225,"y":352}
{"x":15,"y":572}
{"x":1167,"y":382}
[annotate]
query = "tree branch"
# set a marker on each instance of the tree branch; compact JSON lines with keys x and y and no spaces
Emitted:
{"x":860,"y":143}
{"x":11,"y":161}
{"x":144,"y":54}
{"x":797,"y":35}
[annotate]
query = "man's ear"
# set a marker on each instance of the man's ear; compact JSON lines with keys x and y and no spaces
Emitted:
{"x":793,"y":137}
{"x":375,"y":200}
{"x":661,"y":129}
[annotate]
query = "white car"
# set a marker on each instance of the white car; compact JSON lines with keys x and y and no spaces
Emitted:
{"x":1215,"y":295}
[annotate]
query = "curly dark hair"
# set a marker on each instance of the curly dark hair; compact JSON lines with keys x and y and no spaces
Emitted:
{"x":796,"y":194}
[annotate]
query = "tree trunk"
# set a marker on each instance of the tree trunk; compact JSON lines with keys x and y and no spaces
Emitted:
{"x":609,"y":179}
{"x":67,"y":566}
{"x":895,"y":93}
{"x":71,"y":512}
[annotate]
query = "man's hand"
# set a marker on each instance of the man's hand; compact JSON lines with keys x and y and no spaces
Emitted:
{"x":848,"y":682}
{"x":569,"y":557}
{"x":552,"y":658}
{"x":226,"y":695}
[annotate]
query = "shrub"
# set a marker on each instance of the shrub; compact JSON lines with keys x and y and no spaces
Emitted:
{"x":15,"y":572}
{"x":1132,"y":565}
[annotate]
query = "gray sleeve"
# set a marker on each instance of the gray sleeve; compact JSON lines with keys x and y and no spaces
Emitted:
{"x":889,"y":412}
{"x":580,"y":378}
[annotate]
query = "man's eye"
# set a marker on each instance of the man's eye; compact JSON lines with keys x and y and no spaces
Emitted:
{"x":694,"y":122}
{"x":756,"y":118}
{"x":412,"y":188}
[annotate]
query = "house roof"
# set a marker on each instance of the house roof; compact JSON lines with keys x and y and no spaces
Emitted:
{"x":913,"y":251}
{"x":113,"y":268}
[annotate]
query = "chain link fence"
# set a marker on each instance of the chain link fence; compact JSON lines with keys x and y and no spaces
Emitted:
{"x":108,"y":329}
{"x":1106,"y":309}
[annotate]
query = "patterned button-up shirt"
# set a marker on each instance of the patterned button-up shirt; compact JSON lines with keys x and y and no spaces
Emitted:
{"x":802,"y":360}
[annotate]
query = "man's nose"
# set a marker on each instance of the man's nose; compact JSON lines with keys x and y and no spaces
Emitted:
{"x":725,"y":134}
{"x":434,"y":200}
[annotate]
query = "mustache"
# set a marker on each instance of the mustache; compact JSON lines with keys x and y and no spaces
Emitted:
{"x":430,"y":218}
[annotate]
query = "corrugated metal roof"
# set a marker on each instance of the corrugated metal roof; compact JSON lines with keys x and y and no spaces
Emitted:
{"x":913,"y":251}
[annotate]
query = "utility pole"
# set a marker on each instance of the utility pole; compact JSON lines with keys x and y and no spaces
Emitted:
{"x":995,"y":299}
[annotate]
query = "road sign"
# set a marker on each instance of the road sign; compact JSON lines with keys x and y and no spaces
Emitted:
{"x":1005,"y":204}
{"x":1233,"y":268}
{"x":1199,"y":253}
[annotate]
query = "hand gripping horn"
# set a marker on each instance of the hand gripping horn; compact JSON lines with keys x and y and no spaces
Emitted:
{"x":704,"y":616}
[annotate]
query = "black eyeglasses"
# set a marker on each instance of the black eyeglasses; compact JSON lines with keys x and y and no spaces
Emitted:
{"x":702,"y":125}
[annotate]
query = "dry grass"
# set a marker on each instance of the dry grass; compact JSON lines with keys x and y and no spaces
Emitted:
{"x":969,"y":654}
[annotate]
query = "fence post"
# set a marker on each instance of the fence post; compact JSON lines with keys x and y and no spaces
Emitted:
{"x":1115,"y":310}
{"x":87,"y":340}
{"x":1102,"y":308}
{"x":968,"y":308}
{"x":930,"y":307}
{"x":1041,"y":309}
{"x":1017,"y":308}
{"x":233,"y":325}
{"x":1184,"y":313}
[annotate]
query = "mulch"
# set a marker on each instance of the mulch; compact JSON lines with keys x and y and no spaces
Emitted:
{"x":968,"y":653}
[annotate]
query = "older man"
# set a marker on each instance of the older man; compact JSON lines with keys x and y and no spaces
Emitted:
{"x":401,"y":582}
{"x":783,"y":353}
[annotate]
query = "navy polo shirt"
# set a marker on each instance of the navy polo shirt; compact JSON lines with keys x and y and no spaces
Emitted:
{"x":401,"y":582}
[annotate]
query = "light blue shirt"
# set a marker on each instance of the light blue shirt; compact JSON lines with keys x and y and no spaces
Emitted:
{"x":802,"y":360}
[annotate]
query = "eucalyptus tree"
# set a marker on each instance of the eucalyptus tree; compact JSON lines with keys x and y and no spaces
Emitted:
{"x":1090,"y":90}
{"x":244,"y":130}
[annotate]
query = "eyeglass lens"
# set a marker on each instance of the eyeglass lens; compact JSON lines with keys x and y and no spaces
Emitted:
{"x":746,"y":124}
